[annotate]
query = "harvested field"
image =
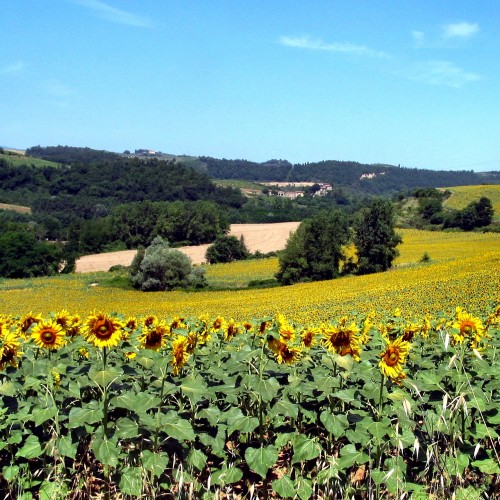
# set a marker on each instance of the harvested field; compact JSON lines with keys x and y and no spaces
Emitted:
{"x":263,"y":237}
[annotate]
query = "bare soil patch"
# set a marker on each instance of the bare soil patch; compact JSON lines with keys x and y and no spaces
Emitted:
{"x":262,"y":237}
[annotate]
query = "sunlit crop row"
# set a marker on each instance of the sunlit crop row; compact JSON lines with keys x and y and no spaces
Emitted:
{"x":464,"y":268}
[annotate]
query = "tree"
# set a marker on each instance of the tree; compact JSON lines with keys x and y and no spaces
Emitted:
{"x":162,"y":268}
{"x":316,"y":250}
{"x":375,"y":238}
{"x":226,"y":249}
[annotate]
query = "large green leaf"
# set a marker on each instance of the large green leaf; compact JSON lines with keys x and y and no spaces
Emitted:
{"x":267,"y":389}
{"x":350,"y":456}
{"x":41,"y":415}
{"x":131,"y":481}
{"x":303,"y":488}
{"x":242,"y":423}
{"x":488,"y":466}
{"x":126,"y":428}
{"x":261,"y":459}
{"x":176,"y":427}
{"x":8,"y":388}
{"x":106,"y":451}
{"x":104,"y":377}
{"x":156,"y":463}
{"x":66,"y":447}
{"x":335,"y":424}
{"x":284,"y":487}
{"x":137,"y":402}
{"x":226,"y":475}
{"x":285,"y":408}
{"x":194,"y":388}
{"x":304,"y":448}
{"x":31,"y":448}
{"x":78,"y":417}
{"x":197,"y":459}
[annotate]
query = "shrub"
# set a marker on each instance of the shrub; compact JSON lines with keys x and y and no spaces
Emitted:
{"x":226,"y":249}
{"x":161,"y":268}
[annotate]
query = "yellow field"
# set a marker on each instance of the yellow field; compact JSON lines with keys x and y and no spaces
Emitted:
{"x":464,"y":271}
{"x":463,"y":195}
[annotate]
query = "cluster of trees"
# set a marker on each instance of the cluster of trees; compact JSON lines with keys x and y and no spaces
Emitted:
{"x":364,"y":178}
{"x":23,"y":255}
{"x":69,"y":154}
{"x":317,"y":250}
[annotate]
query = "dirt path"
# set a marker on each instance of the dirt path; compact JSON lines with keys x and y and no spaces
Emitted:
{"x":262,"y":237}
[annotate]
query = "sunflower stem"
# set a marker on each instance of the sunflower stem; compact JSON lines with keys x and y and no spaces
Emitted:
{"x":158,"y":411}
{"x":380,"y":400}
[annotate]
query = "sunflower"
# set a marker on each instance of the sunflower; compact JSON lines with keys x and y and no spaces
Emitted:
{"x":129,"y":355}
{"x":410,"y":330}
{"x":70,"y":324}
{"x":150,"y":321}
{"x":192,"y":340}
{"x":218,"y":324}
{"x":470,"y":329}
{"x":367,"y":325}
{"x":48,"y":335}
{"x":286,"y":331}
{"x":393,"y":359}
{"x":494,"y":317}
{"x":343,"y":339}
{"x":180,"y":353}
{"x":27,"y":321}
{"x":131,"y":324}
{"x":283,"y":352}
{"x":10,"y":350}
{"x":155,"y":337}
{"x":83,"y":353}
{"x":102,"y":330}
{"x":177,"y":323}
{"x":56,"y":376}
{"x":231,"y":330}
{"x":308,"y":337}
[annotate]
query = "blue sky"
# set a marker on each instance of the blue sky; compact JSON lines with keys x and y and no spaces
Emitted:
{"x":409,"y":82}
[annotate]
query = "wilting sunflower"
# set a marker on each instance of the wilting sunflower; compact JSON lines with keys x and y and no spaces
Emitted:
{"x":48,"y":335}
{"x":393,"y":359}
{"x":343,"y":339}
{"x":308,"y":337}
{"x":27,"y":321}
{"x":180,"y":353}
{"x":410,"y":330}
{"x":470,"y":329}
{"x":155,"y":337}
{"x":102,"y":330}
{"x":10,"y":350}
{"x":263,"y":326}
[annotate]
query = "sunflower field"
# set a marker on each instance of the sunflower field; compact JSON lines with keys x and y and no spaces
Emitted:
{"x":378,"y":386}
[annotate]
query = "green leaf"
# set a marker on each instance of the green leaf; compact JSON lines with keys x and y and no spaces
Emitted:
{"x":347,"y":395}
{"x":11,"y":472}
{"x":8,"y":389}
{"x":137,"y":402}
{"x":285,"y":408}
{"x":131,"y":481}
{"x":304,"y":448}
{"x":261,"y":459}
{"x":242,"y":423}
{"x":335,"y":424}
{"x":226,"y":476}
{"x":197,"y":459}
{"x":284,"y":487}
{"x":481,"y":431}
{"x":494,"y":419}
{"x":194,"y":388}
{"x":106,"y":451}
{"x":31,"y":448}
{"x":78,"y":417}
{"x":41,"y":415}
{"x":350,"y":456}
{"x":267,"y":389}
{"x":488,"y":466}
{"x":51,"y":490}
{"x":176,"y":427}
{"x":126,"y":428}
{"x":104,"y":377}
{"x":66,"y":447}
{"x":378,"y":430}
{"x":156,"y":463}
{"x":303,"y":488}
{"x":212,"y":414}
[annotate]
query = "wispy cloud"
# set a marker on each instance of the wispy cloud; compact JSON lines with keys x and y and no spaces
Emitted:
{"x":305,"y":42}
{"x":115,"y":15}
{"x":441,"y":73}
{"x":13,"y":68}
{"x":460,"y":30}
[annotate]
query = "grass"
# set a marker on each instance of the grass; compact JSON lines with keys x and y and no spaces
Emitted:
{"x":17,"y":159}
{"x":463,"y":195}
{"x":241,"y":184}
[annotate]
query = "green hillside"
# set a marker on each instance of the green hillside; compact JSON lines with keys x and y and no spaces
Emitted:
{"x":463,"y":195}
{"x":15,"y":159}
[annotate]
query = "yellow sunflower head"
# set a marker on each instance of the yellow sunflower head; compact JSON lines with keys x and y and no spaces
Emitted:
{"x":150,"y":320}
{"x":393,"y":359}
{"x":156,"y":337}
{"x":178,"y":323}
{"x":343,"y":339}
{"x":102,"y":330}
{"x":10,"y":350}
{"x":308,"y":337}
{"x":218,"y":323}
{"x":48,"y":335}
{"x":468,"y":328}
{"x":56,"y":376}
{"x":180,"y":353}
{"x":231,"y":330}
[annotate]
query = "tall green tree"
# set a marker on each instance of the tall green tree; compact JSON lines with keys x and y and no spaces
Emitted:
{"x":316,"y":250}
{"x":375,"y":237}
